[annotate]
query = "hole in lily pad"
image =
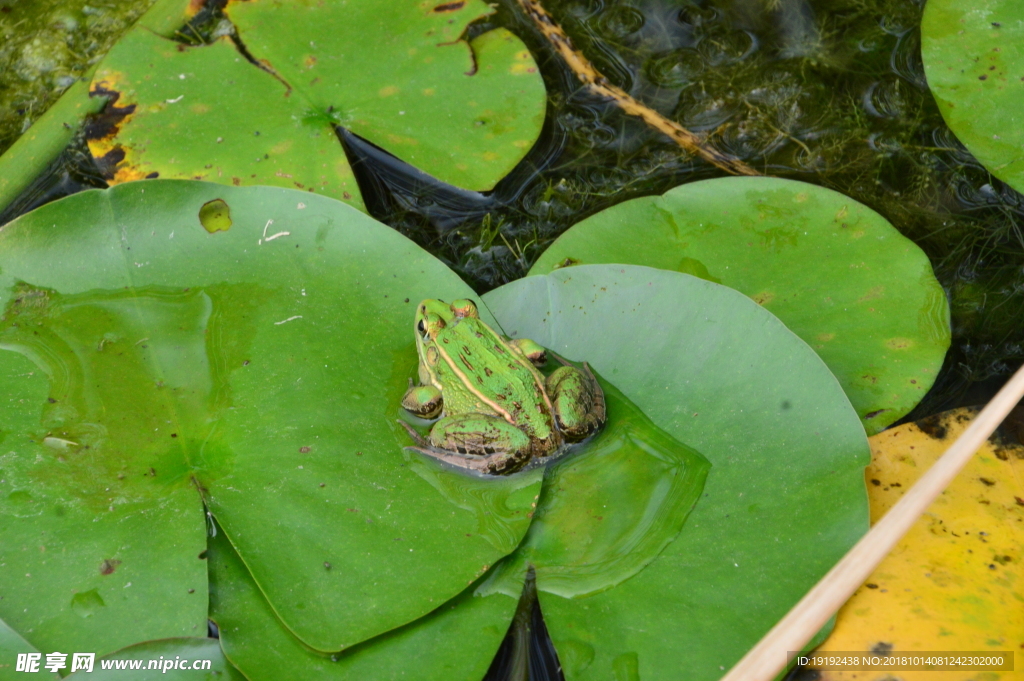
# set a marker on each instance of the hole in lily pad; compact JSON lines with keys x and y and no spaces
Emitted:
{"x":86,"y":604}
{"x":215,"y":216}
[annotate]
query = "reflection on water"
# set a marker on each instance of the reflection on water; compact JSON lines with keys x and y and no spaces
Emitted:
{"x":137,"y":382}
{"x":607,"y":511}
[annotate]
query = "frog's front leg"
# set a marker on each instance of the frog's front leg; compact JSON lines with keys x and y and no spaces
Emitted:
{"x":423,"y":400}
{"x":577,"y":401}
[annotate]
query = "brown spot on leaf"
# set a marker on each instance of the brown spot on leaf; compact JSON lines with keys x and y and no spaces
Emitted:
{"x":304,"y":450}
{"x":108,"y":566}
{"x":108,"y":162}
{"x":933,"y":427}
{"x":106,"y":124}
{"x":449,"y":7}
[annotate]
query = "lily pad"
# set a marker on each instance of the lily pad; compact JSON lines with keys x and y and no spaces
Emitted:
{"x":402,"y":76}
{"x":608,"y":511}
{"x":837,"y":273}
{"x":784,"y":498}
{"x":456,"y":641}
{"x":257,"y":369}
{"x":954,"y":576}
{"x":974,"y":60}
{"x":164,"y":89}
{"x":80,"y":556}
{"x":11,"y":646}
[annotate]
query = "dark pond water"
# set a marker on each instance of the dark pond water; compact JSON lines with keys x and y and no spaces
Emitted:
{"x":830,"y":92}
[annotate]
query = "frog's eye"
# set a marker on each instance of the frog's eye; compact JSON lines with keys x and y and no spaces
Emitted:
{"x":465,"y":308}
{"x":431,"y":325}
{"x":422,"y":329}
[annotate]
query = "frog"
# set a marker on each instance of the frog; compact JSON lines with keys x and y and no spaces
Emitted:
{"x":495,"y":411}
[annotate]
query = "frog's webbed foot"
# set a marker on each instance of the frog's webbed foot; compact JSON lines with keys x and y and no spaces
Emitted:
{"x":577,"y":400}
{"x":416,"y":437}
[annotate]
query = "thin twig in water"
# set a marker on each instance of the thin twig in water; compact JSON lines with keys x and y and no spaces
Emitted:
{"x":598,"y":84}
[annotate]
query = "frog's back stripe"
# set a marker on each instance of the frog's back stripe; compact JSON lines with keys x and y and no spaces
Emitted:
{"x":469,"y":386}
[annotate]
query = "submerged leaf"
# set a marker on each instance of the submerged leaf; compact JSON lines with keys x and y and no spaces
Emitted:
{"x":952,"y":583}
{"x":837,"y":273}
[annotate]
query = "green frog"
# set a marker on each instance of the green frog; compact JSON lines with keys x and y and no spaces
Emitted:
{"x":496,"y":411}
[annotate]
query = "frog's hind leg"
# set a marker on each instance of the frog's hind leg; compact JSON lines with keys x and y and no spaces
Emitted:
{"x":479,"y":442}
{"x":461,"y":460}
{"x":577,"y":400}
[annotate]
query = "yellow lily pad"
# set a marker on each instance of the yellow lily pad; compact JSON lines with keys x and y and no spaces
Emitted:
{"x":953,"y":583}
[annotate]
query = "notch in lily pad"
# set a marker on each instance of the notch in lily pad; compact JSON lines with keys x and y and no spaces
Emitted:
{"x":215,"y":216}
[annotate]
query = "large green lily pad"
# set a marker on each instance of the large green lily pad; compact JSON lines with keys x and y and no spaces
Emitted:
{"x":151,"y":364}
{"x":785,"y":495}
{"x":400,"y":75}
{"x":974,"y":60}
{"x":837,"y":273}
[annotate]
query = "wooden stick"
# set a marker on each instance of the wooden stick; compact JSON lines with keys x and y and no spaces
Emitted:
{"x":597,"y":83}
{"x":769,"y":656}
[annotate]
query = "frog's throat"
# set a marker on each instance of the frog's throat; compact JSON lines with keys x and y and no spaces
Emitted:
{"x":469,"y":386}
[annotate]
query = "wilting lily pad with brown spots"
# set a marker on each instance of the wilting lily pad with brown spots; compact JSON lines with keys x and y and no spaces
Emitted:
{"x":836,"y":272}
{"x":955,"y":575}
{"x":401,"y":75}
